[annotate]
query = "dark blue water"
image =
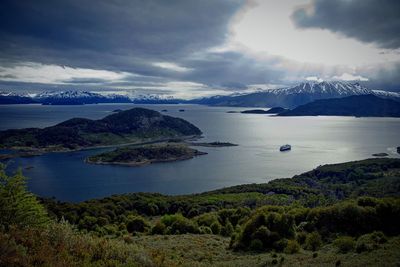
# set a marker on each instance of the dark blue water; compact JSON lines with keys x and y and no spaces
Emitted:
{"x":314,"y":140}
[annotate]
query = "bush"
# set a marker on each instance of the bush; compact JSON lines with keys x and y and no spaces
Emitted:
{"x":205,"y":230}
{"x":370,"y":241}
{"x":301,"y":237}
{"x":280,"y":245}
{"x":216,"y":228}
{"x":256,"y":245}
{"x":344,"y":244}
{"x":227,"y":230}
{"x":292,"y":247}
{"x":136,"y":224}
{"x":158,"y":229}
{"x":313,"y":241}
{"x":182,"y":225}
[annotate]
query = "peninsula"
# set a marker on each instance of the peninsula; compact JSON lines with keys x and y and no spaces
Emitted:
{"x":133,"y":126}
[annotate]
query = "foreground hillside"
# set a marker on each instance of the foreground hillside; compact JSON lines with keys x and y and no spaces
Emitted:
{"x":340,"y":214}
{"x":130,"y":126}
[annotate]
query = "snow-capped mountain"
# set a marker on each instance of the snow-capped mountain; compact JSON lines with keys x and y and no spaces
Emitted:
{"x":296,"y":95}
{"x":71,"y":97}
{"x":326,"y":88}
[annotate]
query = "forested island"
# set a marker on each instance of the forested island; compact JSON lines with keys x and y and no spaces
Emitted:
{"x":213,"y":144}
{"x":274,"y":110}
{"x":143,"y":155}
{"x":135,"y":125}
{"x":339,"y":214}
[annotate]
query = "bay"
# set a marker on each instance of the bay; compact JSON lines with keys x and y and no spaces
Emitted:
{"x":257,"y":159}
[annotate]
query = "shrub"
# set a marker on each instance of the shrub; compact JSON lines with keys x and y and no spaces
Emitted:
{"x":344,"y":244}
{"x":292,"y":247}
{"x":301,"y":237}
{"x":227,"y":230}
{"x":136,"y":224}
{"x":216,"y":228}
{"x":280,"y":245}
{"x":158,"y":228}
{"x":313,"y":241}
{"x":256,"y":245}
{"x":205,"y":230}
{"x":369,"y":242}
{"x":182,"y":225}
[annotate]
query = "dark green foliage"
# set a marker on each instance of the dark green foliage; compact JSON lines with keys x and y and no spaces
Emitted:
{"x":216,"y":228}
{"x":256,"y":245}
{"x":344,"y":244}
{"x":177,"y":224}
{"x":313,"y":241}
{"x":18,"y":206}
{"x":292,"y":247}
{"x":369,"y":242}
{"x":136,"y":224}
{"x":158,"y":229}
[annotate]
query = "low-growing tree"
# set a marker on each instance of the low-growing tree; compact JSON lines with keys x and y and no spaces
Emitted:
{"x":313,"y":241}
{"x":17,"y":205}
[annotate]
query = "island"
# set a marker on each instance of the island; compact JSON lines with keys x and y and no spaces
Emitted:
{"x":213,"y":144}
{"x":133,"y":126}
{"x":356,"y":105}
{"x":143,"y":155}
{"x":274,"y":110}
{"x":380,"y":154}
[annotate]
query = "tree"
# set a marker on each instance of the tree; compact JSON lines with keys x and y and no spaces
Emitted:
{"x":17,"y":205}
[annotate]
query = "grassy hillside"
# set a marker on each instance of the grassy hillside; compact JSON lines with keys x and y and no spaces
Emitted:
{"x":129,"y":126}
{"x":341,"y":214}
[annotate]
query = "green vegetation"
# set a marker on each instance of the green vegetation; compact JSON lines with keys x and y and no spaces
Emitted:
{"x":336,"y":214}
{"x":136,"y":156}
{"x":130,"y":126}
{"x":18,"y":207}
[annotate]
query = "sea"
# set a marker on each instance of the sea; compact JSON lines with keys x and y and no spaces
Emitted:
{"x":315,"y":141}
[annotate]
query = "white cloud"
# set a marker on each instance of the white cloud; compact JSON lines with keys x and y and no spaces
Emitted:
{"x":349,"y":77}
{"x":314,"y":78}
{"x":31,"y":72}
{"x":171,"y":66}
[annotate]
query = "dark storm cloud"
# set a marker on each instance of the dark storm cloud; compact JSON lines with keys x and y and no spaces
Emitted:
{"x":230,"y":69}
{"x":83,"y":32}
{"x":369,"y":21}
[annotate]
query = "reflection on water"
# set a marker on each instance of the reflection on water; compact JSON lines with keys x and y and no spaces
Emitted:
{"x":314,"y":140}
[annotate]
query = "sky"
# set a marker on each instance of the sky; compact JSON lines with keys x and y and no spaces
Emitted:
{"x":191,"y":48}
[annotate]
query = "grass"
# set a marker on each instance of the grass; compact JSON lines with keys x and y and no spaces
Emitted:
{"x":211,"y":250}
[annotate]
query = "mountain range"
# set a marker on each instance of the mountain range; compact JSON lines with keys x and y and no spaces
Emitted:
{"x":290,"y":97}
{"x":297,"y":95}
{"x":72,"y":97}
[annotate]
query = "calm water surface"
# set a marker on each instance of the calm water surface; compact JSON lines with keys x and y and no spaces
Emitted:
{"x":314,"y":140}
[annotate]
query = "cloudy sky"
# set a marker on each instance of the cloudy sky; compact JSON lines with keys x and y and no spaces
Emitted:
{"x":195,"y":48}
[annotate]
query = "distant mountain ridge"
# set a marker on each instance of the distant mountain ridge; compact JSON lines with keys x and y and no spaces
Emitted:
{"x":296,"y":95}
{"x":73,"y":97}
{"x":285,"y":97}
{"x":356,"y":105}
